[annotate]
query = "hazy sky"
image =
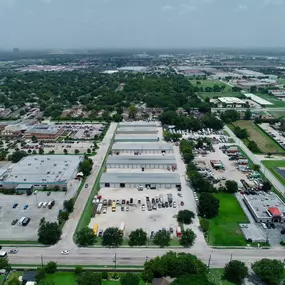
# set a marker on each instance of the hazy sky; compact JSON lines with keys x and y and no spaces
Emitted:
{"x":141,"y":23}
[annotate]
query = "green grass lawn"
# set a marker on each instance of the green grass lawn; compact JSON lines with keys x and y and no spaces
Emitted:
{"x":277,"y":103}
{"x":16,"y":274}
{"x":264,"y":142}
{"x":210,"y":83}
{"x":278,"y":114}
{"x":59,"y":278}
{"x":224,"y":229}
{"x":271,"y":165}
{"x":211,"y":95}
{"x":2,"y":277}
{"x":215,"y":275}
{"x":282,"y":81}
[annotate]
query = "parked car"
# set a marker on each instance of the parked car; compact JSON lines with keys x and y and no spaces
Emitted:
{"x":86,"y":185}
{"x":14,"y":222}
{"x":273,"y":226}
{"x":15,"y":205}
{"x":152,"y":234}
{"x":48,"y":193}
{"x":26,"y":207}
{"x":182,"y":203}
{"x":268,"y":226}
{"x":100,"y":234}
{"x":143,"y":207}
{"x":264,"y":225}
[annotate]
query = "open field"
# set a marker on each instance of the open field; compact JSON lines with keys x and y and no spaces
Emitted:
{"x":278,"y":114}
{"x":216,"y":276}
{"x":282,"y":81}
{"x":265,"y":143}
{"x":272,"y":99}
{"x":271,"y":165}
{"x":212,"y":95}
{"x":224,"y":229}
{"x":60,"y":278}
{"x":210,"y":83}
{"x":2,"y":277}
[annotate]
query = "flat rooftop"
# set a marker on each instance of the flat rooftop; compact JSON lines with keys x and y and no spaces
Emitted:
{"x":42,"y":129}
{"x":257,"y":99}
{"x":138,"y":159}
{"x":141,"y":146}
{"x":137,"y":129}
{"x":139,"y":124}
{"x":136,"y":137}
{"x":42,"y":169}
{"x":263,"y":201}
{"x":231,"y":100}
{"x":143,"y":178}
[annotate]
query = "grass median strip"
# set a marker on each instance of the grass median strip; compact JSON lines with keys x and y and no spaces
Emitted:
{"x":271,"y":165}
{"x":224,"y":229}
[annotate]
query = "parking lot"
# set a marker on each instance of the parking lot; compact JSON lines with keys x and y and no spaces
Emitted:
{"x":29,"y":232}
{"x":58,"y":148}
{"x":136,"y":217}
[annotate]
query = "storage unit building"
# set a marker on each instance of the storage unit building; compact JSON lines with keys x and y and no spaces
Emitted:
{"x":137,"y":130}
{"x":133,"y":180}
{"x":142,"y":148}
{"x":162,"y":162}
{"x":136,"y":138}
{"x":140,"y":124}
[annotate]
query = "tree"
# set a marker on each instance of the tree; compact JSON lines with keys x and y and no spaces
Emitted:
{"x":51,"y":267}
{"x":253,"y":147}
{"x":41,"y":150}
{"x":253,"y":89}
{"x":69,"y":205}
{"x":188,"y":238}
{"x":14,"y":281}
{"x":76,"y":151}
{"x":162,"y":238}
{"x":137,"y":238}
{"x":235,"y":271}
{"x":230,"y":116}
{"x":231,"y":186}
{"x":270,"y":271}
{"x":88,"y":150}
{"x":17,"y":156}
{"x":117,"y":118}
{"x":256,"y":167}
{"x":208,"y":205}
{"x":86,"y":166}
{"x":40,"y":274}
{"x":130,"y":279}
{"x":112,"y":237}
{"x":132,"y":112}
{"x":49,"y":233}
{"x":266,"y":186}
{"x":65,"y":151}
{"x":247,"y":114}
{"x":4,"y":264}
{"x":34,"y":139}
{"x":78,"y":270}
{"x":192,"y":280}
{"x":185,"y":217}
{"x":85,"y":237}
{"x":89,"y":278}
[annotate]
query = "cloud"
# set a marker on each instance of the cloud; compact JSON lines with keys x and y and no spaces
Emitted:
{"x":273,"y":2}
{"x":167,"y":7}
{"x":242,"y":7}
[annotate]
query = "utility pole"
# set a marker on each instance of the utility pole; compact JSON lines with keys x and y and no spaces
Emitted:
{"x":231,"y":257}
{"x":115,"y":260}
{"x":209,"y":261}
{"x":42,"y":261}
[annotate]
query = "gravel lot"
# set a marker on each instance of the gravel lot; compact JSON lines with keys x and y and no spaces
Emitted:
{"x":29,"y":233}
{"x":136,"y":218}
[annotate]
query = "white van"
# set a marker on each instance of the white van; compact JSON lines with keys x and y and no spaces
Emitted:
{"x":45,"y":204}
{"x":40,"y":204}
{"x":21,"y":221}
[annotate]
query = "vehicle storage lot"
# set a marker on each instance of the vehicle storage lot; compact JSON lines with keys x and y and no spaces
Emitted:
{"x":29,"y":233}
{"x":136,"y":218}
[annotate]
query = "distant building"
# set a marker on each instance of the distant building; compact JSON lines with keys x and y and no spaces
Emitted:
{"x":277,"y":93}
{"x":42,"y":132}
{"x":232,"y":102}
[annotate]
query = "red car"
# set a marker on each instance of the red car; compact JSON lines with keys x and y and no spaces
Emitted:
{"x":182,"y":203}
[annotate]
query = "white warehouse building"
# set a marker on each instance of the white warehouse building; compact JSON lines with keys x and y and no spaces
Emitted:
{"x":140,"y":124}
{"x":137,"y":130}
{"x":142,"y":148}
{"x":136,"y":138}
{"x":133,"y":180}
{"x":153,"y":162}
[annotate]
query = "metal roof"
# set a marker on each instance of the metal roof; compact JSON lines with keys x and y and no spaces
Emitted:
{"x":137,"y":129}
{"x":137,"y":138}
{"x":144,"y":178}
{"x":141,"y":159}
{"x":139,"y":124}
{"x":142,"y":146}
{"x":42,"y":169}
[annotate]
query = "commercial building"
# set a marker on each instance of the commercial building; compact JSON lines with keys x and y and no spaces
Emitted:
{"x":142,"y":148}
{"x":266,"y":207}
{"x":277,"y":93}
{"x":137,"y":130}
{"x":135,"y":161}
{"x":43,"y":132}
{"x":232,"y":102}
{"x":139,"y":124}
{"x":133,"y":180}
{"x":136,"y":138}
{"x":257,"y":99}
{"x":40,"y":171}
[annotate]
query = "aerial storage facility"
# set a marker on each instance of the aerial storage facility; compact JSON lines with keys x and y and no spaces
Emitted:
{"x":135,"y":161}
{"x":142,"y":148}
{"x":133,"y":180}
{"x":137,"y":130}
{"x":136,"y":138}
{"x":140,"y":124}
